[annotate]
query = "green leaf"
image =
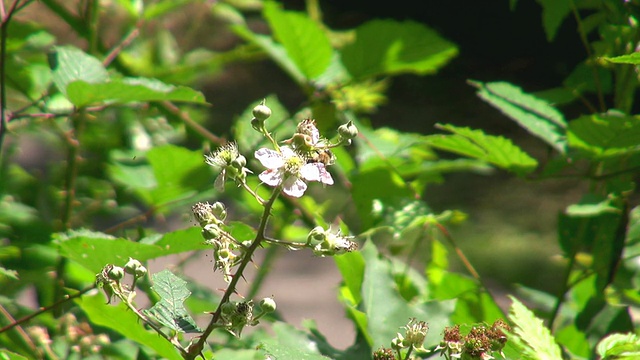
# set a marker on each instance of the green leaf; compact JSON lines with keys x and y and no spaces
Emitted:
{"x":592,"y":205}
{"x":532,"y":113}
{"x":95,"y":250}
{"x":291,"y":344}
{"x":70,"y":64}
{"x":496,"y":150}
{"x":8,"y":355}
{"x":170,"y":311}
{"x":553,"y":14}
{"x":387,"y":312}
{"x":619,"y":346}
{"x":632,"y":59}
{"x":83,"y":93}
{"x":7,"y":273}
{"x":530,"y":335}
{"x":605,"y":135}
{"x":125,"y":322}
{"x":388,"y":47}
{"x":304,"y":40}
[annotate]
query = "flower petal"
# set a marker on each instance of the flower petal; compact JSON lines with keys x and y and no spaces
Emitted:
{"x":293,"y":186}
{"x":271,"y":177}
{"x":270,"y":159}
{"x":311,"y":171}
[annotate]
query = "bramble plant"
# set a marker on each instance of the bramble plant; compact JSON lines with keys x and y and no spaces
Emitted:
{"x":116,"y":134}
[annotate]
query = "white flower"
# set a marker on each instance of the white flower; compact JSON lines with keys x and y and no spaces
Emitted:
{"x":288,"y":169}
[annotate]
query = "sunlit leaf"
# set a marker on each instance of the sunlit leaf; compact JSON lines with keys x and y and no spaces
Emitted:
{"x":619,"y":346}
{"x":495,"y":150}
{"x":605,"y":135}
{"x":170,"y":311}
{"x":531,"y":336}
{"x":305,"y":42}
{"x":125,"y":322}
{"x":291,"y":344}
{"x":633,"y":59}
{"x":534,"y":114}
{"x":70,"y":64}
{"x":82,"y":93}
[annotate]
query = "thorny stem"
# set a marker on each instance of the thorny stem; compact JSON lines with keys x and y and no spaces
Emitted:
{"x":197,"y":347}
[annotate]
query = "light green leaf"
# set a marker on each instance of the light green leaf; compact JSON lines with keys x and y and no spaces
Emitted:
{"x":125,"y":322}
{"x":530,"y":335}
{"x":387,"y":47}
{"x":170,"y":311}
{"x":553,"y":14}
{"x":95,"y":250}
{"x":532,"y":113}
{"x":632,"y":59}
{"x":605,"y":135}
{"x":304,"y":40}
{"x":619,"y":346}
{"x":82,"y":93}
{"x":7,"y":273}
{"x":496,"y":150}
{"x":70,"y":64}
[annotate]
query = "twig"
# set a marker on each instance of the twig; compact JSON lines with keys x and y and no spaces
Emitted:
{"x":133,"y":34}
{"x":47,"y":308}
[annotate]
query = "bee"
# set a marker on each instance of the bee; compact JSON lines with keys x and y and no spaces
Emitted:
{"x":324,"y":156}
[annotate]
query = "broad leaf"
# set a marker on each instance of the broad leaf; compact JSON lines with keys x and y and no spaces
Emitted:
{"x":388,"y":47}
{"x":125,"y":322}
{"x":605,"y":135}
{"x":553,"y":14}
{"x":531,"y":336}
{"x":532,"y":113}
{"x":304,"y":40}
{"x":170,"y":310}
{"x":83,"y":93}
{"x":291,"y":344}
{"x":387,"y":312}
{"x":70,"y":64}
{"x":496,"y":150}
{"x":81,"y":246}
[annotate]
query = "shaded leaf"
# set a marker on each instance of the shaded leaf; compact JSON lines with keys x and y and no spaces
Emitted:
{"x":553,"y":14}
{"x":392,"y":47}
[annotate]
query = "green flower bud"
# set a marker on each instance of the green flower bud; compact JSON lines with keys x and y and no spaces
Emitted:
{"x":268,"y":305}
{"x":316,"y":236}
{"x":131,"y":266}
{"x":348,"y":131}
{"x":257,"y":125}
{"x":261,"y":112}
{"x":115,"y":273}
{"x":239,"y":162}
{"x":228,"y":309}
{"x":218,"y":209}
{"x":211,"y":232}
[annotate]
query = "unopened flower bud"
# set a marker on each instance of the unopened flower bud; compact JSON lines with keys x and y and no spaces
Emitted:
{"x":115,"y":273}
{"x":135,"y":268}
{"x":257,"y":125}
{"x":316,"y":236}
{"x":348,"y":131}
{"x":261,"y":112}
{"x":268,"y":305}
{"x":211,"y":232}
{"x":239,"y":162}
{"x":218,"y":209}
